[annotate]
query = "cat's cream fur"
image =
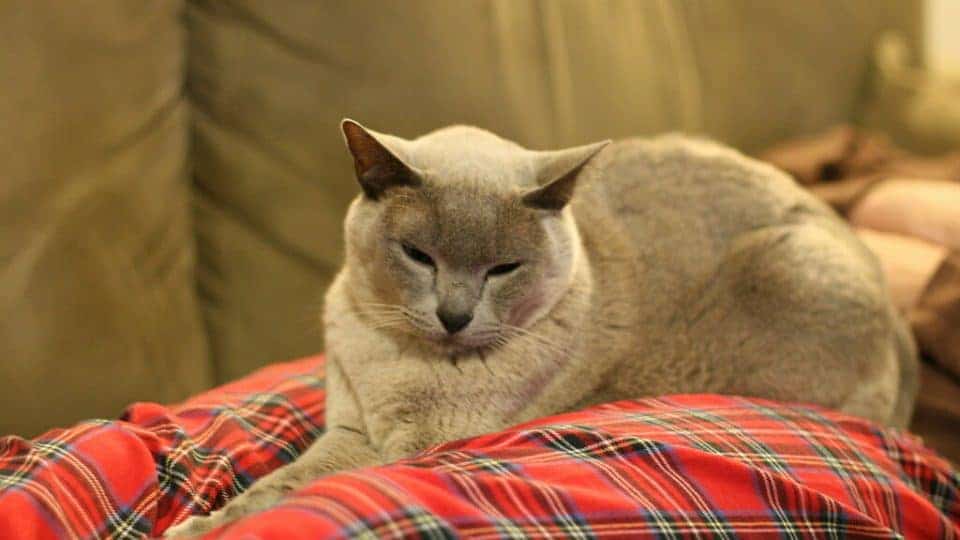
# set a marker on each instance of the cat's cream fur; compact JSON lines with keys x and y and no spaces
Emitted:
{"x":679,"y":266}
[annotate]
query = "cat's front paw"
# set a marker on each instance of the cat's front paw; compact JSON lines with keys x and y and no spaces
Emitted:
{"x":260,"y":497}
{"x":196,"y":526}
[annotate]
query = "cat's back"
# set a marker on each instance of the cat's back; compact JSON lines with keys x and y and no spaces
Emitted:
{"x":674,"y":208}
{"x":682,"y":202}
{"x":694,"y":188}
{"x":721,"y":259}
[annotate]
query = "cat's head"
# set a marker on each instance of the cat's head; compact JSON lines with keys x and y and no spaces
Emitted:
{"x":460,"y":237}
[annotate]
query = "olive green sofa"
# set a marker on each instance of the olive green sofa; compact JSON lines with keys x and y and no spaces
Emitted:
{"x":172,"y":179}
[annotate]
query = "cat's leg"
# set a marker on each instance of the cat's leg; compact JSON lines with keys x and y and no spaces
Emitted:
{"x":338,"y":449}
{"x":810,"y":320}
{"x":345,"y":445}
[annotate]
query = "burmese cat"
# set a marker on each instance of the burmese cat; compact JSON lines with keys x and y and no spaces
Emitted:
{"x":486,"y":284}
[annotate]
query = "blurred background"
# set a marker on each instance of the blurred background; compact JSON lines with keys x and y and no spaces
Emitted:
{"x":172,"y":177}
{"x":943,"y":40}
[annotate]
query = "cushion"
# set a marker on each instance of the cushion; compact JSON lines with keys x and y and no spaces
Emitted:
{"x":676,"y":465}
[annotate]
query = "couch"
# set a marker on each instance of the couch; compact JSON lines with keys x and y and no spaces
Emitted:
{"x":172,"y":179}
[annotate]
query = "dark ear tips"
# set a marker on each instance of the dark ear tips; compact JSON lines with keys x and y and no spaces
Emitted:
{"x":562,"y":169}
{"x":359,"y":141}
{"x":377,"y":167}
{"x":554,"y":196}
{"x":351,"y":130}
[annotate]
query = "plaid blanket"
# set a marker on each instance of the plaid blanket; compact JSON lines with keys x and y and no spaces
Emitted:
{"x":678,"y":466}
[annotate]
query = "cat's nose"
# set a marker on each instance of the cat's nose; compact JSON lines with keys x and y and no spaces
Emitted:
{"x":454,"y":321}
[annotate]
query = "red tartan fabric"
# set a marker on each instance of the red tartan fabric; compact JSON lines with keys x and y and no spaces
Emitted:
{"x":678,"y":466}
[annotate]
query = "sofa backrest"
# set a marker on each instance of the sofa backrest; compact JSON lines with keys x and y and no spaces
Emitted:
{"x":97,"y":297}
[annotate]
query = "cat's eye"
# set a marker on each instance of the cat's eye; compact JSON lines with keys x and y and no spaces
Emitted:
{"x":502,"y":269}
{"x":417,"y":255}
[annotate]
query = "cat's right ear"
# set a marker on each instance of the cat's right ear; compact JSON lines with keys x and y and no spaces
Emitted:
{"x":378,"y":169}
{"x":557,"y":175}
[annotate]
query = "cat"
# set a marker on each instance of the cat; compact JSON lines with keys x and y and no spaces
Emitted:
{"x":485,"y":284}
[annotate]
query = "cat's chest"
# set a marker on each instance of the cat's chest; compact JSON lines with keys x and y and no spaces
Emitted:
{"x":439,"y":398}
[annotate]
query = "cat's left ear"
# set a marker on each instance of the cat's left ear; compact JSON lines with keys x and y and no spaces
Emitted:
{"x":378,"y":168}
{"x":557,"y":174}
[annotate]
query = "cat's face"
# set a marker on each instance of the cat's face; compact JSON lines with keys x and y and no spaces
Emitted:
{"x":461,"y":248}
{"x":464,"y":267}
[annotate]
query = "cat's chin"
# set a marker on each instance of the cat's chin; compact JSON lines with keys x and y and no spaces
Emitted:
{"x":455,"y":346}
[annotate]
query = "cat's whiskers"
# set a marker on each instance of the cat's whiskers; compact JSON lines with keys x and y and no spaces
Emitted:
{"x":384,"y":323}
{"x":397,"y":324}
{"x":373,"y":314}
{"x":396,"y":314}
{"x":380,"y":304}
{"x":539,"y":339}
{"x":383,"y":316}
